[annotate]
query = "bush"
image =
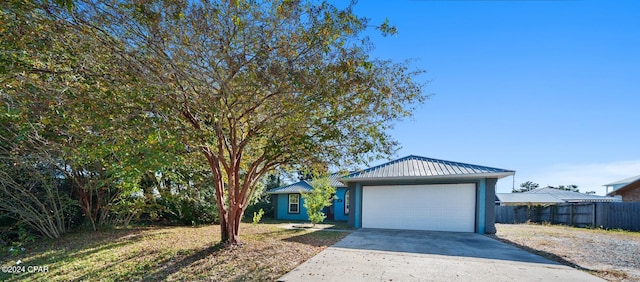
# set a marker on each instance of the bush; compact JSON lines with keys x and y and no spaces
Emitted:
{"x":265,"y":206}
{"x":257,"y":216}
{"x":186,"y":210}
{"x":261,"y":201}
{"x":32,"y":196}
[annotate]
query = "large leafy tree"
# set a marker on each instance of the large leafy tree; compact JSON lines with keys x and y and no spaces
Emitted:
{"x":257,"y":85}
{"x":63,"y":85}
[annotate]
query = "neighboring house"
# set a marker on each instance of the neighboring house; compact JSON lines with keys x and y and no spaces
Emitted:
{"x":628,"y":189}
{"x":620,"y":183}
{"x":549,"y":196}
{"x":415,"y":193}
{"x":289,"y":204}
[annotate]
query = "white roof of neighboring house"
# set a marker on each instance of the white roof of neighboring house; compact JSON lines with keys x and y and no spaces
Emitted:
{"x":570,"y":196}
{"x":624,"y":181}
{"x":521,"y":198}
{"x":632,"y":185}
{"x":549,"y":195}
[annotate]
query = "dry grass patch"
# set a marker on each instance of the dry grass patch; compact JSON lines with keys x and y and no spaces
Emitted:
{"x":171,"y":253}
{"x":611,"y":254}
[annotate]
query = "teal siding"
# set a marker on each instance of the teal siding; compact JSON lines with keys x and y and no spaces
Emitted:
{"x":481,"y":205}
{"x":338,"y":204}
{"x":283,"y":209}
{"x":357,"y":207}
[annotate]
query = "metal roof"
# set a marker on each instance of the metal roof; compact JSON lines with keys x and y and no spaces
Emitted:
{"x":304,"y":186}
{"x":333,"y":179}
{"x":549,"y":195}
{"x":570,"y":196}
{"x":521,"y":198}
{"x":632,"y":185}
{"x":298,"y":187}
{"x":417,"y":167}
{"x":624,"y":181}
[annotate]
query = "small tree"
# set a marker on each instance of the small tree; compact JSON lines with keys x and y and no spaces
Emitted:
{"x":570,"y":187}
{"x":30,"y":191}
{"x":320,"y":197}
{"x":526,"y":186}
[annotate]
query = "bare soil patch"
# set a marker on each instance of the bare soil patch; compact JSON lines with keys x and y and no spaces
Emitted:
{"x":611,"y":254}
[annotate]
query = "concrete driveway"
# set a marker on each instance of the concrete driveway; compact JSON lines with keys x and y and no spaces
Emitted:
{"x":400,"y":255}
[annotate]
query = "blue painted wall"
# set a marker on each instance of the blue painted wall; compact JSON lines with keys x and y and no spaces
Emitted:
{"x":481,"y":197}
{"x":338,"y":205}
{"x":357,"y":207}
{"x":282,"y":209}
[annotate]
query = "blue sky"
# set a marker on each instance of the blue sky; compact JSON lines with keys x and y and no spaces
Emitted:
{"x":550,"y":89}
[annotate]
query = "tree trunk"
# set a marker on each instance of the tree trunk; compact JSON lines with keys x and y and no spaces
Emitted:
{"x":231,"y":228}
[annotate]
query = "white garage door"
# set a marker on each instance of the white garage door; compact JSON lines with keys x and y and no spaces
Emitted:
{"x":438,"y":207}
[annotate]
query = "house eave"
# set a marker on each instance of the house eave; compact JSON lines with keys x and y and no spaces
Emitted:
{"x":624,"y":188}
{"x":286,"y":192}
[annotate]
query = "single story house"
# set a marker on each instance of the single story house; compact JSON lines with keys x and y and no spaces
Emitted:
{"x":289,"y":204}
{"x":548,"y":196}
{"x":414,"y":193}
{"x":627,"y":189}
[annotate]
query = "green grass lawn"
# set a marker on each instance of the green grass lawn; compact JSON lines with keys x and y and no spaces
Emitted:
{"x":169,"y":253}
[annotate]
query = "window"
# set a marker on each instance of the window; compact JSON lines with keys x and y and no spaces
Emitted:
{"x":346,"y":202}
{"x":294,"y":203}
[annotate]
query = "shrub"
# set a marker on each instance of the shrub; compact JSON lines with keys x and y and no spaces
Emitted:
{"x":186,"y":210}
{"x":257,"y":216}
{"x":320,"y":197}
{"x":31,"y":195}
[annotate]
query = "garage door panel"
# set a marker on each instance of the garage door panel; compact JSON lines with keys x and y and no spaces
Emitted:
{"x":441,"y":207}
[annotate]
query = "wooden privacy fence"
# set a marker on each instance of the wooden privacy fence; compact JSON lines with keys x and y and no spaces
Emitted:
{"x":604,"y":215}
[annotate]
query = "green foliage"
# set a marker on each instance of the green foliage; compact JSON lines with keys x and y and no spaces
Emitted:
{"x":98,"y":128}
{"x":257,"y":216}
{"x":126,"y":209}
{"x":30,"y":194}
{"x":121,"y":89}
{"x":526,"y":186}
{"x":185,"y":198}
{"x":186,"y":210}
{"x":570,"y":187}
{"x":24,"y":236}
{"x":273,"y":181}
{"x":320,"y":197}
{"x":261,"y":201}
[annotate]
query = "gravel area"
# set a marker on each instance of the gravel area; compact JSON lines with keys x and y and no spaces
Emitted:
{"x":612,"y":255}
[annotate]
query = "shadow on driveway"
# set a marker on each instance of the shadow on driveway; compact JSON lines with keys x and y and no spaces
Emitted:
{"x":437,"y":243}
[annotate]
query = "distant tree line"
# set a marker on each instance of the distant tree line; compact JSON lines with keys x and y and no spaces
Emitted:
{"x":529,"y":185}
